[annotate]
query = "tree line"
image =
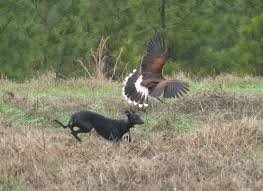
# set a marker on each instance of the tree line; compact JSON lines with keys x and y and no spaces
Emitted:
{"x":205,"y":37}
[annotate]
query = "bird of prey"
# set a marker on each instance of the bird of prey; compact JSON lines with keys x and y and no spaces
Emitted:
{"x":150,"y":81}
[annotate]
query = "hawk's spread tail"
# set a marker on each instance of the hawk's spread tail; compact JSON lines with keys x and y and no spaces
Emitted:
{"x":133,"y":91}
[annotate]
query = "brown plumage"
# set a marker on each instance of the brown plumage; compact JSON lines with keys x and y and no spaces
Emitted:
{"x":137,"y":87}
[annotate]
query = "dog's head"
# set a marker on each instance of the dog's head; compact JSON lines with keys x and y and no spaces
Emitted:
{"x":134,"y":118}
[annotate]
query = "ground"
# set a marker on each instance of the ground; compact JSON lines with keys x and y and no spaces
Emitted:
{"x":211,"y":139}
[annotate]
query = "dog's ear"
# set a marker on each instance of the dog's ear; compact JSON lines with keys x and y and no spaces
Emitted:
{"x":127,"y":112}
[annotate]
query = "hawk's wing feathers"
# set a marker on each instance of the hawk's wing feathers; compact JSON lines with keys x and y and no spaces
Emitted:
{"x":156,"y":55}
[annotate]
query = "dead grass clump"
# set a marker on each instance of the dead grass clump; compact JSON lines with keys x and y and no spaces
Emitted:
{"x":8,"y":97}
{"x":44,"y":81}
{"x":4,"y":81}
{"x":219,"y":157}
{"x":27,"y":160}
{"x":241,"y":104}
{"x":114,"y":104}
{"x":99,"y":57}
{"x":228,"y":79}
{"x":84,"y":83}
{"x":238,"y":136}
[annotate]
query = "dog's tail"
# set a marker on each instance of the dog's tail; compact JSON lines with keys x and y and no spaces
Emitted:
{"x":64,"y":126}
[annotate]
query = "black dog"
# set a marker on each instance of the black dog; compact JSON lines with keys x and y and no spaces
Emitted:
{"x":108,"y":128}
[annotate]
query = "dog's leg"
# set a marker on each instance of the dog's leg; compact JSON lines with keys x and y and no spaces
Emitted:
{"x":75,"y":134}
{"x":84,"y":127}
{"x":129,"y":136}
{"x":159,"y":100}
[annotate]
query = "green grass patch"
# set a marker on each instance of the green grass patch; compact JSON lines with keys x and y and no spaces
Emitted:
{"x":54,"y":166}
{"x":2,"y":90}
{"x":245,"y":87}
{"x":64,"y":117}
{"x":79,"y":92}
{"x":229,"y":83}
{"x":257,"y":153}
{"x":11,"y":184}
{"x":180,"y":123}
{"x":19,"y":118}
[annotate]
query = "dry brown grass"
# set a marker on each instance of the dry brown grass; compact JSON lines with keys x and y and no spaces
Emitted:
{"x":219,"y":101}
{"x":224,"y":153}
{"x":218,"y":157}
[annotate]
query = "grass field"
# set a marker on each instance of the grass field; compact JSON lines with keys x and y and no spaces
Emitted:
{"x":211,"y":139}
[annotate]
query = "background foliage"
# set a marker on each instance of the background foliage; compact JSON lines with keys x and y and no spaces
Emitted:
{"x":205,"y":36}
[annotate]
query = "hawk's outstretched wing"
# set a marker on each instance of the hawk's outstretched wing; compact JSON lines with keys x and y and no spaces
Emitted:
{"x":156,"y":55}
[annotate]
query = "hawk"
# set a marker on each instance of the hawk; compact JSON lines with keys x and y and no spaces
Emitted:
{"x":138,"y":86}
